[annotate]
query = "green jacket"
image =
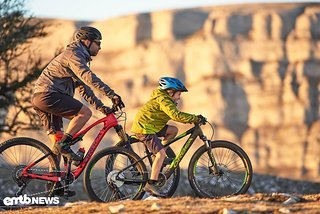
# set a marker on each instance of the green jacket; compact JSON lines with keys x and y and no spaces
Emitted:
{"x":155,"y":114}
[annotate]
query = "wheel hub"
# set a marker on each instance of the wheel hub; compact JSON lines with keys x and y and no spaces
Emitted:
{"x":112,"y":177}
{"x":17,"y":175}
{"x":223,"y":172}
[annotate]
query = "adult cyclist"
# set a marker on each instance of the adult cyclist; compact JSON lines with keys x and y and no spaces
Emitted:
{"x":54,"y":90}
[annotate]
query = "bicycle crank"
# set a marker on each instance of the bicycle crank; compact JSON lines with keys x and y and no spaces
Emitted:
{"x":162,"y":180}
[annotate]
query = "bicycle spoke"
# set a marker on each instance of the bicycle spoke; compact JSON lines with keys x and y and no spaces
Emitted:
{"x":227,"y":178}
{"x":107,"y":169}
{"x":14,"y":156}
{"x":3,"y":160}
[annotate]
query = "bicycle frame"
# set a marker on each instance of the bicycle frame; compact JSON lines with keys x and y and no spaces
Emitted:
{"x":194,"y":132}
{"x":108,"y":121}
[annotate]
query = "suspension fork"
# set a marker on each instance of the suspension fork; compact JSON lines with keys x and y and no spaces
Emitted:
{"x":214,"y":168}
{"x":124,"y":138}
{"x":121,"y":133}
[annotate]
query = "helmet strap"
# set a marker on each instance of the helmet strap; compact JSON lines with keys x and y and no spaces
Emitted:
{"x":172,"y":92}
{"x":87,"y":47}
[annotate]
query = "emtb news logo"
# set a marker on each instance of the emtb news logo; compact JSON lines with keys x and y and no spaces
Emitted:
{"x":25,"y":200}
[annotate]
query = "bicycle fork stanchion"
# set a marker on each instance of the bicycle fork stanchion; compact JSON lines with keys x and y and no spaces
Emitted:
{"x":121,"y":133}
{"x":214,"y":168}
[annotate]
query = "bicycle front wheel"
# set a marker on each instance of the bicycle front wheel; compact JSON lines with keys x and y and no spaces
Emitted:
{"x":234,"y":170}
{"x":115,"y":174}
{"x":15,"y":155}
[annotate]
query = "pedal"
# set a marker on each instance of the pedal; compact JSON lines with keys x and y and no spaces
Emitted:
{"x":64,"y":193}
{"x":69,"y":193}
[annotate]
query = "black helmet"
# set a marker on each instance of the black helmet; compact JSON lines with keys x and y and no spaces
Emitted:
{"x":89,"y":33}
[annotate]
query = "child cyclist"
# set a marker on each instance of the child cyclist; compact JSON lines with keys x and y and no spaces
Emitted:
{"x":150,"y":123}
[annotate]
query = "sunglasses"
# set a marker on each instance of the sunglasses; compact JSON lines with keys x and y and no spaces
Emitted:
{"x":97,"y":42}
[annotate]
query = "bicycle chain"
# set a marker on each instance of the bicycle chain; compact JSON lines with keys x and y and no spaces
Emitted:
{"x":54,"y":171}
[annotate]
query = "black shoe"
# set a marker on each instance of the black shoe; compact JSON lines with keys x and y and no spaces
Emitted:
{"x":153,"y":190}
{"x":68,"y":193}
{"x":65,"y":150}
{"x":59,"y":191}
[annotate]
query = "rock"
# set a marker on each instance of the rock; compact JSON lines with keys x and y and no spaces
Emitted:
{"x":151,"y":197}
{"x":71,"y":204}
{"x":229,"y":211}
{"x":261,"y":26}
{"x":233,"y":198}
{"x":155,"y":207}
{"x":292,"y":200}
{"x":117,"y":208}
{"x":162,"y":25}
{"x":284,"y":210}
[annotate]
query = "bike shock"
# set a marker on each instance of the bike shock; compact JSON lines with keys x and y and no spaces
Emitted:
{"x":121,"y":133}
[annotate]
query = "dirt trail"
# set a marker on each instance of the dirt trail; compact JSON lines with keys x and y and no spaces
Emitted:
{"x":257,"y":203}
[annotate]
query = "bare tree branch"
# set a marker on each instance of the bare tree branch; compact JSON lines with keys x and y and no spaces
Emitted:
{"x":16,"y":75}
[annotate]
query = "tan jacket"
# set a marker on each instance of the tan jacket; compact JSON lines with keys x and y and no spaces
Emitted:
{"x":70,"y":70}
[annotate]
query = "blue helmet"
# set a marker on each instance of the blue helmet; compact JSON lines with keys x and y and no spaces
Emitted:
{"x":171,"y":83}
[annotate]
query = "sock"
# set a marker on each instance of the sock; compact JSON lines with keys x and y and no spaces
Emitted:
{"x":66,"y":139}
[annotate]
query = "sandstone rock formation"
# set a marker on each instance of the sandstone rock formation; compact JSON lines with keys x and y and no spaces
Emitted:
{"x":253,"y":70}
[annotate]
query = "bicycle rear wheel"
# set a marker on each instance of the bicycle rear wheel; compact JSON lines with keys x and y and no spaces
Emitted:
{"x":106,"y":178}
{"x":235,"y":170}
{"x":169,"y":186}
{"x":15,"y":155}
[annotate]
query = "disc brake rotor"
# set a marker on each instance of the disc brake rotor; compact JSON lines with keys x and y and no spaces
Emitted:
{"x":17,"y":175}
{"x":112,"y":177}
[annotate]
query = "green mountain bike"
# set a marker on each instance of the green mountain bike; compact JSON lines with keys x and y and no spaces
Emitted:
{"x":218,"y":168}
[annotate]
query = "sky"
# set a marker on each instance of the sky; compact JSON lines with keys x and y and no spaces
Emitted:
{"x":94,"y":10}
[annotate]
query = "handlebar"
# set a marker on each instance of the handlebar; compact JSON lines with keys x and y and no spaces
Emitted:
{"x":202,"y":120}
{"x":113,"y":109}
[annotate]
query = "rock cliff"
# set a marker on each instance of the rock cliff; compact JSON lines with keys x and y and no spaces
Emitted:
{"x":253,"y":70}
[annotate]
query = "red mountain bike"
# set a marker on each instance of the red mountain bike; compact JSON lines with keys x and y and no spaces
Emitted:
{"x":27,"y":166}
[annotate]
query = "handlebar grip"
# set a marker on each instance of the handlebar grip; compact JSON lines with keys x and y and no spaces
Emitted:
{"x":203,"y":120}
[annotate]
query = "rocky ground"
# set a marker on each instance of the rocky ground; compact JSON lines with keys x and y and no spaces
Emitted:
{"x":267,"y":194}
{"x":256,"y":203}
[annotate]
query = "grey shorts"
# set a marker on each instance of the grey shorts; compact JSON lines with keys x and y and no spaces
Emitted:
{"x":152,"y":141}
{"x":52,"y":107}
